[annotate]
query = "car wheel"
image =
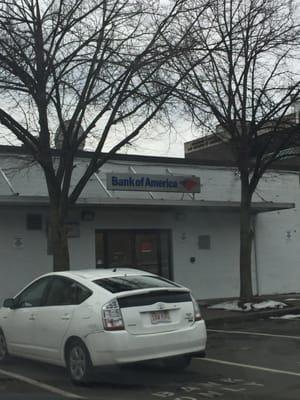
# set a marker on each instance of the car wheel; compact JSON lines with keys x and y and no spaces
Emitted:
{"x":78,"y":363}
{"x":3,"y":348}
{"x":178,"y":363}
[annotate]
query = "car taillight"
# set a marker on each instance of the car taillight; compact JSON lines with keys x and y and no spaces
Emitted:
{"x":197,"y":313}
{"x":112,"y":316}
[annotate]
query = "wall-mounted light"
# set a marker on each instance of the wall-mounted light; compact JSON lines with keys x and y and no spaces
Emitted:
{"x":288,"y":235}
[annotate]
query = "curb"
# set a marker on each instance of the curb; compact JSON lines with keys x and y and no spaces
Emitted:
{"x":252,"y":315}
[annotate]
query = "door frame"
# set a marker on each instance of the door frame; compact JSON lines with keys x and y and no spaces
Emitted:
{"x":133,"y":233}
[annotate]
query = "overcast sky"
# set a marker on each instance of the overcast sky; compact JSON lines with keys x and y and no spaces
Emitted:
{"x":155,"y":140}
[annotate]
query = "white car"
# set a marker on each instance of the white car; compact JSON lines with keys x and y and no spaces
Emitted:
{"x":89,"y":318}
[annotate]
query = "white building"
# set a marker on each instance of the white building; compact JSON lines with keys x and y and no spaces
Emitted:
{"x":192,"y":238}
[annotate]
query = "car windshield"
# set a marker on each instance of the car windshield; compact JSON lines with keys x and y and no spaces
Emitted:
{"x":124,"y":283}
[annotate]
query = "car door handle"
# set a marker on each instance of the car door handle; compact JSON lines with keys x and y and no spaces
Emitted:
{"x":32,"y":317}
{"x":66,"y":317}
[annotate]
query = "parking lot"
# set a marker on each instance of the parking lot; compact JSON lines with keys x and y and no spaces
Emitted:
{"x":249,"y":360}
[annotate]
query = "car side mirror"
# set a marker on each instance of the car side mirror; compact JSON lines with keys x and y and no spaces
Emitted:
{"x":9,"y":303}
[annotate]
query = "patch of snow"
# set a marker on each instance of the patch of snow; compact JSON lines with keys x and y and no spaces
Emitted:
{"x":292,"y":299}
{"x":230,"y":306}
{"x":268,"y":304}
{"x":287,"y":316}
{"x":233,"y":305}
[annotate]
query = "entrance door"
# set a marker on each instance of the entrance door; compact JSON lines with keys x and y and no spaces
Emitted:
{"x":119,"y":249}
{"x":148,"y":250}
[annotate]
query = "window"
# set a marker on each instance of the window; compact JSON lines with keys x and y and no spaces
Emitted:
{"x":34,"y":295}
{"x":82,"y":294}
{"x":123,"y":283}
{"x":34,"y":222}
{"x":65,"y":291}
{"x":148,"y":250}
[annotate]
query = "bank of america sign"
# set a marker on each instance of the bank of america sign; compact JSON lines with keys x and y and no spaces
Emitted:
{"x":153,"y":183}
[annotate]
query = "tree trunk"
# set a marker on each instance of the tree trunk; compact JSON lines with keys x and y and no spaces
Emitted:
{"x":59,"y":240}
{"x":246,"y":236}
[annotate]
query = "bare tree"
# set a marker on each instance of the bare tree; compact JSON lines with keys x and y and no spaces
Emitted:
{"x":86,"y":66}
{"x":247,"y":86}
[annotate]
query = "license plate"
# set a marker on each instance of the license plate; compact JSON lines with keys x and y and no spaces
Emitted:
{"x":158,"y":317}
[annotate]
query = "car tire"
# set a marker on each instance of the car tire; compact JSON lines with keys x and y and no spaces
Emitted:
{"x":79,"y":362}
{"x":178,"y":363}
{"x":3,"y":348}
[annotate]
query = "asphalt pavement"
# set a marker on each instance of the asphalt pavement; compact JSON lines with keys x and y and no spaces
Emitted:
{"x":255,"y":360}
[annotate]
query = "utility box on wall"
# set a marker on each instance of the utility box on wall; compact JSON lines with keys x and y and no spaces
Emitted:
{"x":204,"y":242}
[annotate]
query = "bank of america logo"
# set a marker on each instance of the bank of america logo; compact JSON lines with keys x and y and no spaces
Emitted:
{"x":189,"y":184}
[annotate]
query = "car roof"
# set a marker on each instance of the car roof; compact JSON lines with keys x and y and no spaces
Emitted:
{"x":94,"y":274}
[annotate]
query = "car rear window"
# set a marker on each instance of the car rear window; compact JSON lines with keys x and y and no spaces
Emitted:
{"x":124,"y":283}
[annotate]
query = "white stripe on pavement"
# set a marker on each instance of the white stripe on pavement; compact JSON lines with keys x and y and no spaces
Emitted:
{"x":254,"y":333}
{"x":234,"y":364}
{"x":40,"y":385}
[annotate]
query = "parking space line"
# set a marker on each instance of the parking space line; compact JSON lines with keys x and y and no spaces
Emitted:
{"x":255,"y":334}
{"x":41,"y":385}
{"x":235,"y":364}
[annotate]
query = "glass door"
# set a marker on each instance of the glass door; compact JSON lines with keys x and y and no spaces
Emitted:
{"x":119,"y":249}
{"x":147,"y":250}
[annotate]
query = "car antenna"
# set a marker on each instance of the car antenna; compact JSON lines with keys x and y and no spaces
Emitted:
{"x":115,"y":270}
